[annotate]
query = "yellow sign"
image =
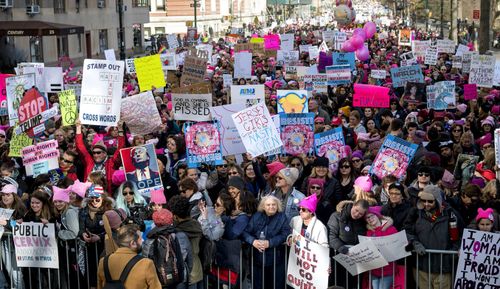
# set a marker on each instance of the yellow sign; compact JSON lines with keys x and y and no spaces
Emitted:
{"x":149,"y":72}
{"x":17,"y":143}
{"x":257,"y":40}
{"x":67,"y":102}
{"x":189,"y":23}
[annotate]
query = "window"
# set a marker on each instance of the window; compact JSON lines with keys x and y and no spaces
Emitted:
{"x":79,"y":42}
{"x":160,"y":30}
{"x":59,"y":6}
{"x":62,"y":46}
{"x":36,"y":49}
{"x":103,"y":40}
{"x":140,"y":3}
{"x":160,"y":5}
{"x":137,"y":35}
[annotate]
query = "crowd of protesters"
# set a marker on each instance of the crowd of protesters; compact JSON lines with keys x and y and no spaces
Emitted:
{"x":254,"y":205}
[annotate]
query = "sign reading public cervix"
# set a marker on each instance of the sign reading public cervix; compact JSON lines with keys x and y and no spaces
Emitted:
{"x":101,"y":94}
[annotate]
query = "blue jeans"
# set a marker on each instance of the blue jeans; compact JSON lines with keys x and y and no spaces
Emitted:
{"x":382,"y":282}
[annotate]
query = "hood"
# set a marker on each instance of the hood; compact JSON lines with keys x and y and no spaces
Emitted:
{"x":191,"y":227}
{"x":343,"y":204}
{"x":158,"y":231}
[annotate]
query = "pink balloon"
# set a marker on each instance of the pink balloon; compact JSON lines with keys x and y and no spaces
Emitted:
{"x":348,"y":47}
{"x":357,"y":41}
{"x":363,"y":54}
{"x":370,"y":29}
{"x":359,"y":32}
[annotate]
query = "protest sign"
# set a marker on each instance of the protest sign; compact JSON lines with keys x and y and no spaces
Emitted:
{"x":3,"y":94}
{"x":256,"y":40}
{"x":32,"y":104}
{"x":276,"y":121}
{"x":242,"y":47}
{"x":305,"y":264}
{"x":328,"y":36}
{"x":393,"y":157}
{"x":482,"y":70}
{"x":478,"y":260}
{"x":313,"y":52}
{"x":247,"y":94}
{"x":465,"y":167}
{"x":36,"y":245}
{"x":194,"y":70}
{"x":446,"y":46}
{"x":17,"y":143}
{"x":419,"y":48}
{"x":38,"y":72}
{"x":338,"y":74}
{"x":378,"y":74}
{"x":287,"y":57}
{"x":141,"y":168}
{"x":461,"y":49}
{"x":23,"y":67}
{"x":404,"y":37}
{"x":456,"y":62}
{"x":467,"y":59}
{"x":344,"y":58}
{"x":129,"y":65}
{"x":329,"y":144}
{"x":77,"y":88}
{"x":304,"y":48}
{"x":441,"y":95}
{"x":272,"y":42}
{"x":195,"y":107}
{"x":243,"y":65}
{"x":67,"y":103}
{"x":52,"y":80}
{"x":168,"y":61}
{"x":408,"y":58}
{"x":340,"y":38}
{"x":109,"y":54}
{"x":496,"y":76}
{"x":496,"y":137}
{"x":5,"y":214}
{"x":316,"y":82}
{"x":102,"y":86}
{"x":35,"y":125}
{"x":287,"y":41}
{"x":149,"y":72}
{"x":203,"y":143}
{"x":392,"y":247}
{"x":41,"y":157}
{"x":401,"y":75}
{"x":362,"y":257}
{"x":366,"y":95}
{"x":231,"y":142}
{"x":15,"y":88}
{"x":297,"y":133}
{"x":172,"y":41}
{"x":257,"y":130}
{"x":291,"y":72}
{"x":140,"y":114}
{"x":470,"y":91}
{"x":431,"y":56}
{"x":414,"y":92}
{"x":227,"y":80}
{"x":292,"y":101}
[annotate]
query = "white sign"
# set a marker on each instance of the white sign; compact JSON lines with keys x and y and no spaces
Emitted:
{"x":362,"y":257}
{"x":110,"y":54}
{"x":36,"y":245}
{"x":195,"y":107}
{"x":129,"y":64}
{"x":431,"y":56}
{"x":467,"y":59}
{"x":378,"y":74}
{"x":15,"y":86}
{"x":496,"y":77}
{"x":227,"y":80}
{"x":242,"y":65}
{"x":392,"y":247}
{"x":461,"y":49}
{"x":329,"y":36}
{"x":101,"y":97}
{"x":5,"y":214}
{"x":287,"y":41}
{"x":172,"y":41}
{"x":52,"y":79}
{"x":419,"y":47}
{"x":168,"y":61}
{"x":313,"y":52}
{"x":456,"y":62}
{"x":230,"y":138}
{"x":445,"y":46}
{"x":247,"y":94}
{"x":482,"y":70}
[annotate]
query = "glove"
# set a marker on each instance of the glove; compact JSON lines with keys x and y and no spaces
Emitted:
{"x":344,"y":250}
{"x":419,"y":248}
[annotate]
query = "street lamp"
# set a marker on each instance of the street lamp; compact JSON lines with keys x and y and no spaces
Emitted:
{"x":122,"y":34}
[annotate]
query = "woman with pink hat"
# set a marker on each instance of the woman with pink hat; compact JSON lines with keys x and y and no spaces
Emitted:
{"x":486,"y":220}
{"x":307,"y":225}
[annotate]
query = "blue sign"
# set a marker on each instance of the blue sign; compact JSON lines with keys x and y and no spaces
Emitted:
{"x":344,"y":58}
{"x":402,"y":75}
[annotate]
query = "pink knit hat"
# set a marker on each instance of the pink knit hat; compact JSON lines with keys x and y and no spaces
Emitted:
{"x":485,"y":214}
{"x":376,"y":210}
{"x":80,"y":188}
{"x":317,"y":182}
{"x":309,"y":203}
{"x":488,"y":120}
{"x":118,"y":177}
{"x":9,"y":189}
{"x":275,"y":167}
{"x":364,"y":183}
{"x":158,"y":197}
{"x":61,"y":194}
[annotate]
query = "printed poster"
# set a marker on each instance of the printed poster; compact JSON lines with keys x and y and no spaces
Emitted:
{"x":257,"y":130}
{"x":3,"y":94}
{"x":194,"y":107}
{"x":141,"y":168}
{"x":36,"y":245}
{"x":478,"y":260}
{"x":465,"y":167}
{"x":292,"y":101}
{"x":482,"y":70}
{"x":29,"y":112}
{"x":297,"y":133}
{"x":230,"y":138}
{"x":129,"y":65}
{"x":329,"y":144}
{"x":402,"y":75}
{"x":203,"y":143}
{"x":441,"y":95}
{"x":316,"y":82}
{"x":415,"y":92}
{"x":140,"y":114}
{"x":41,"y":157}
{"x":362,"y":257}
{"x":366,"y":95}
{"x":393,"y":157}
{"x":102,"y":87}
{"x":404,"y":37}
{"x":419,"y":48}
{"x":149,"y":72}
{"x":15,"y":87}
{"x":67,"y":104}
{"x":243,"y":65}
{"x":338,"y":74}
{"x":247,"y":94}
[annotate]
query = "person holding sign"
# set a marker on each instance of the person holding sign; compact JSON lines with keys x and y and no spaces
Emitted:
{"x":307,"y":224}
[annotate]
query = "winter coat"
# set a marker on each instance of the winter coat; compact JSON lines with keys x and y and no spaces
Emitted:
{"x":69,"y":224}
{"x":291,"y":208}
{"x":316,"y":231}
{"x":193,"y":231}
{"x":398,"y":213}
{"x":380,"y":232}
{"x":343,"y":230}
{"x":234,"y":226}
{"x":466,"y":213}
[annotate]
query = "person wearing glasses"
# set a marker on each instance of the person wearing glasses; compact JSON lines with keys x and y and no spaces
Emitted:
{"x":423,"y":180}
{"x":307,"y":224}
{"x":133,"y":203}
{"x":289,"y":196}
{"x":398,"y":205}
{"x":67,"y":164}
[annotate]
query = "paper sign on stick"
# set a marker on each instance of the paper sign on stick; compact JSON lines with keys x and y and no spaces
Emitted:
{"x":67,"y":102}
{"x":149,"y":72}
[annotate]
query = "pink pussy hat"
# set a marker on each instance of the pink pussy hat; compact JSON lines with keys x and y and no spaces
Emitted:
{"x":309,"y":203}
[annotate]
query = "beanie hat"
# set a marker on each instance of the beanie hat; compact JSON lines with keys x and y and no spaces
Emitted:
{"x":462,"y":107}
{"x":357,"y":154}
{"x":336,"y":121}
{"x":321,"y":162}
{"x":158,"y":197}
{"x":309,"y":203}
{"x":488,"y":120}
{"x":95,"y":191}
{"x":236,"y":182}
{"x":9,"y":189}
{"x":163,"y":217}
{"x":118,"y":177}
{"x":80,"y":188}
{"x":2,"y":132}
{"x":317,"y":182}
{"x":432,"y":192}
{"x":364,"y":183}
{"x":98,"y":142}
{"x":115,"y":217}
{"x":275,"y":167}
{"x":376,"y":210}
{"x":375,"y":145}
{"x":60,"y":194}
{"x":478,"y":182}
{"x":485,"y":214}
{"x":446,"y":144}
{"x":448,"y":180}
{"x":485,"y":139}
{"x":290,"y":175}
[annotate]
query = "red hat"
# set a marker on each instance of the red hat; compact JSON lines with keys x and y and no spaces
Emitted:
{"x":163,"y":217}
{"x":275,"y":167}
{"x":336,"y":121}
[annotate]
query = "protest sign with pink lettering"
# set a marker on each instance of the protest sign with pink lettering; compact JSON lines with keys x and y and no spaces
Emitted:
{"x":40,"y":158}
{"x":36,"y":245}
{"x":366,"y":95}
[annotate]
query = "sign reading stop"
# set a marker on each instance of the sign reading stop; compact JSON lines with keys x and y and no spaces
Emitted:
{"x":33,"y":103}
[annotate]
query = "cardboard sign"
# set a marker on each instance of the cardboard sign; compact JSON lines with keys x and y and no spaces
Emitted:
{"x":257,"y":130}
{"x":482,"y":70}
{"x":401,"y":75}
{"x":393,"y":157}
{"x":242,"y":65}
{"x":297,"y":133}
{"x":272,"y":42}
{"x":338,"y":74}
{"x":378,"y":74}
{"x":441,"y":95}
{"x":203,"y":143}
{"x":362,"y":257}
{"x":16,"y":86}
{"x":17,"y":143}
{"x":194,"y":70}
{"x":195,"y":107}
{"x":366,"y":95}
{"x":36,"y":245}
{"x":102,"y":87}
{"x":140,"y":114}
{"x":292,"y":101}
{"x":67,"y":102}
{"x":329,"y":144}
{"x":247,"y":95}
{"x":141,"y":168}
{"x":231,"y":142}
{"x":149,"y":72}
{"x":470,"y":91}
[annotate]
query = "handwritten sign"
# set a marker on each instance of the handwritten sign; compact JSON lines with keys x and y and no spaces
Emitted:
{"x":378,"y":74}
{"x":67,"y":102}
{"x":362,"y":257}
{"x":482,"y":70}
{"x":391,"y":246}
{"x":195,"y":107}
{"x":431,"y":56}
{"x":230,"y":138}
{"x":287,"y":41}
{"x":272,"y":42}
{"x":194,"y":70}
{"x":366,"y":95}
{"x":17,"y":143}
{"x":140,"y":114}
{"x":36,"y":245}
{"x":149,"y":72}
{"x":446,"y":46}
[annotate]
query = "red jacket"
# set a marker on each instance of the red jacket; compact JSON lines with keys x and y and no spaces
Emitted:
{"x":88,"y":160}
{"x":377,"y":232}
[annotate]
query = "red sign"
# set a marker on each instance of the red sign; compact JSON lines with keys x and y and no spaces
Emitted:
{"x":32,"y":104}
{"x":475,"y":14}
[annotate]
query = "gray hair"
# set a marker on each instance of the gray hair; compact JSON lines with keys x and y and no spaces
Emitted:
{"x":264,"y":199}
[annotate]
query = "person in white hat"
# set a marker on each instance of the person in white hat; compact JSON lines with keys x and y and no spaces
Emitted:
{"x":289,"y":196}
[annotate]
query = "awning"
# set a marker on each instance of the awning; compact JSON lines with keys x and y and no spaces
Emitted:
{"x":37,"y":28}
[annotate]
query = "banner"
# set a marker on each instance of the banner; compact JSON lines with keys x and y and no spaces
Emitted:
{"x":478,"y":266}
{"x":243,"y":65}
{"x":329,"y":144}
{"x":194,"y":70}
{"x":307,"y":264}
{"x":203,"y":143}
{"x":17,"y":143}
{"x":141,"y":168}
{"x":15,"y":88}
{"x":393,"y":157}
{"x":41,"y":157}
{"x":344,"y":58}
{"x":378,"y":74}
{"x":257,"y":130}
{"x":292,"y":101}
{"x":431,"y":56}
{"x":247,"y":95}
{"x":401,"y":75}
{"x":366,"y":95}
{"x":195,"y":107}
{"x":297,"y":133}
{"x":338,"y":74}
{"x":441,"y":95}
{"x":231,"y":142}
{"x":102,"y":87}
{"x":149,"y":72}
{"x":36,"y":245}
{"x":67,"y":103}
{"x":392,"y":247}
{"x":362,"y":257}
{"x":482,"y":70}
{"x":140,"y":114}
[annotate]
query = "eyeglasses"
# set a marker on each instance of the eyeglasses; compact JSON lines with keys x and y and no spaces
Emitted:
{"x":356,"y":160}
{"x":127,"y":193}
{"x":2,"y":136}
{"x":303,"y":210}
{"x":423,"y":174}
{"x":345,"y":167}
{"x":97,"y":152}
{"x":222,"y":166}
{"x":315,"y":188}
{"x":296,"y":165}
{"x":66,"y":161}
{"x":427,"y":201}
{"x":233,"y":173}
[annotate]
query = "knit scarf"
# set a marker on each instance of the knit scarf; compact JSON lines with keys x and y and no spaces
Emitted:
{"x":434,"y":215}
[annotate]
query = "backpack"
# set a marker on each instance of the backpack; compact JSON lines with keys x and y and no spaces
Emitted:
{"x":207,"y":253}
{"x":167,"y":256}
{"x":120,"y":283}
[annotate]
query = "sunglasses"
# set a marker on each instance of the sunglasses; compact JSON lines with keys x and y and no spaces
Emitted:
{"x":318,"y":123}
{"x":97,"y":152}
{"x":304,"y":210}
{"x":128,"y":193}
{"x":427,"y":201}
{"x":457,"y":130}
{"x":66,"y":161}
{"x":95,"y":199}
{"x":315,"y":188}
{"x":2,"y":136}
{"x":345,"y":167}
{"x":233,"y":173}
{"x":222,"y":166}
{"x":295,"y":165}
{"x":423,"y":174}
{"x":356,"y":160}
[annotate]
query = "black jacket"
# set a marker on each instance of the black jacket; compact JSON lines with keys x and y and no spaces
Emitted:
{"x":342,"y":229}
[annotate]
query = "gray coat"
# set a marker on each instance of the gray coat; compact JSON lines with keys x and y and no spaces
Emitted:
{"x":342,"y":229}
{"x":70,"y":225}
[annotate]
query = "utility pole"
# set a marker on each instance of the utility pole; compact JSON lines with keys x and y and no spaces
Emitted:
{"x":453,"y":24}
{"x":195,"y":20}
{"x":441,"y":33}
{"x":122,"y":34}
{"x":484,"y":26}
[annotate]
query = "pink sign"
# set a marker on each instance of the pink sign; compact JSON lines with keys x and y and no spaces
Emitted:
{"x":366,"y":95}
{"x":470,"y":91}
{"x":3,"y":94}
{"x":272,"y":42}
